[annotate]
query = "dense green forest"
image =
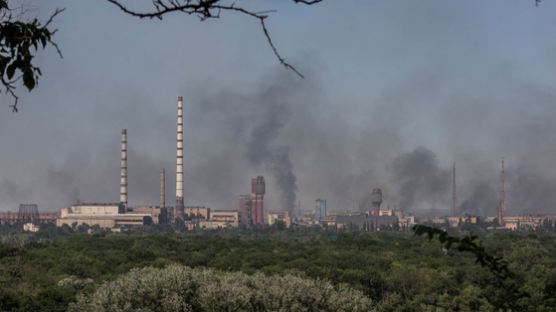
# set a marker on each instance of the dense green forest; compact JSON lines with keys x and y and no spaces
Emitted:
{"x":397,"y":271}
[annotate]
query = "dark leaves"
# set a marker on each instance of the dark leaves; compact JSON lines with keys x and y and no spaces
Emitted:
{"x":28,"y":79}
{"x":19,"y":41}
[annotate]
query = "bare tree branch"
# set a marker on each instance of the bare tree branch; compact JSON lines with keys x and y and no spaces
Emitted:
{"x":206,"y":9}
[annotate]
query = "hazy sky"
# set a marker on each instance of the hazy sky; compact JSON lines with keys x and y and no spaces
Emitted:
{"x":395,"y":91}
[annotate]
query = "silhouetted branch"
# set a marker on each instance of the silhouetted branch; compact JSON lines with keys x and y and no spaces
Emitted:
{"x":505,"y":279}
{"x":206,"y":9}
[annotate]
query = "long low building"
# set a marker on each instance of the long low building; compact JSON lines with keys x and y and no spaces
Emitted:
{"x":15,"y":217}
{"x":103,"y":215}
{"x":366,"y":221}
{"x":158,"y":215}
{"x":231,"y":217}
{"x":205,"y":218}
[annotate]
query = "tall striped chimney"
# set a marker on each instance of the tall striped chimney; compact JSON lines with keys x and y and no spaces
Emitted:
{"x":502,"y":203}
{"x":123,"y":172}
{"x":179,"y":163}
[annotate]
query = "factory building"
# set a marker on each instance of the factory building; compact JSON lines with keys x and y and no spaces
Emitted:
{"x":103,"y":215}
{"x":196,"y":213}
{"x":283,"y":216}
{"x":385,"y":212}
{"x":366,"y":221}
{"x":205,"y":218}
{"x":229,"y":218}
{"x":158,"y":215}
{"x":531,"y":221}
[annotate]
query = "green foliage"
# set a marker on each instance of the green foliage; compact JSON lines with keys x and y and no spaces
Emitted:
{"x":508,"y":292}
{"x":399,"y":272}
{"x":179,"y":288}
{"x":19,"y":40}
{"x":496,"y":265}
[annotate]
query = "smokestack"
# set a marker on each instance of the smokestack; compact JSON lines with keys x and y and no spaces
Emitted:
{"x":502,"y":204}
{"x":454,"y":207}
{"x":162,"y":189}
{"x":179,"y":163}
{"x":376,"y":200}
{"x":123,"y":170}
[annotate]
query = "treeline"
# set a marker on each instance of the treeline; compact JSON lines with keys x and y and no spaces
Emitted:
{"x":398,"y":271}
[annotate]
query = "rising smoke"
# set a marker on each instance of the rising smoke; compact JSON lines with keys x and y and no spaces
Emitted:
{"x":423,"y":183}
{"x":261,"y":147}
{"x":308,"y":147}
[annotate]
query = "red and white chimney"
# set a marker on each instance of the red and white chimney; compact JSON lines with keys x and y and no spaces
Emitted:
{"x":179,"y":163}
{"x":123,"y":170}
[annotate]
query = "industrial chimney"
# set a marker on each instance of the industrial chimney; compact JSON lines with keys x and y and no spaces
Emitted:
{"x":502,"y":204}
{"x":376,"y":200}
{"x":257,"y":193}
{"x":162,"y":189}
{"x":123,"y":170}
{"x":178,"y":211}
{"x":163,"y":217}
{"x":454,"y":205}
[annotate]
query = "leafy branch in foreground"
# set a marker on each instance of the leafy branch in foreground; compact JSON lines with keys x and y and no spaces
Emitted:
{"x":207,"y":9}
{"x":505,"y":280}
{"x":18,"y":38}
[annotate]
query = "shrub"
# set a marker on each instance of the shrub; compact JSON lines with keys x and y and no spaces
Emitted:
{"x":180,"y":288}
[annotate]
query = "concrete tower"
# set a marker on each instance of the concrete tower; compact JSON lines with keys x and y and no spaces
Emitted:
{"x":454,"y":207}
{"x":123,"y":170}
{"x":376,"y":200}
{"x":162,"y":188}
{"x":502,"y":204}
{"x":178,"y":211}
{"x":163,"y":210}
{"x":257,"y":193}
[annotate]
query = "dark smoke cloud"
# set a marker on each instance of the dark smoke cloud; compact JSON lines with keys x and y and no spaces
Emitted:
{"x":250,"y":128}
{"x":482,"y":201}
{"x":10,"y":191}
{"x":307,"y":146}
{"x":262,"y":149}
{"x":529,"y":191}
{"x":423,"y":183}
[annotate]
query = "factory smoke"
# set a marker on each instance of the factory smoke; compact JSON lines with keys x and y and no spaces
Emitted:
{"x":262,"y":149}
{"x":423,"y":183}
{"x":308,"y":145}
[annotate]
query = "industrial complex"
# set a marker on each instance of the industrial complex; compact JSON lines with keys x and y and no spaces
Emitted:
{"x":250,"y":211}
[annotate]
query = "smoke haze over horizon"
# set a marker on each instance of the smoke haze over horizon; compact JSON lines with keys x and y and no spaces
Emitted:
{"x":393,"y":95}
